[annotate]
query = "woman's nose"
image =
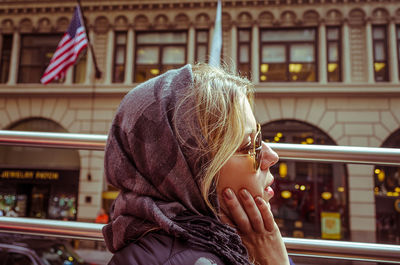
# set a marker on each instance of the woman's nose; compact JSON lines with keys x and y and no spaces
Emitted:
{"x":268,"y":157}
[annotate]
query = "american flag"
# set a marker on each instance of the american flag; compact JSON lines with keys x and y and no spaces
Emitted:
{"x":68,"y":50}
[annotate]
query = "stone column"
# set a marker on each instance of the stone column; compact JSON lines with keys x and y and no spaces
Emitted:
{"x":191,"y":44}
{"x":110,"y":56}
{"x":129,"y":56}
{"x":14,"y":61}
{"x":362,"y":203}
{"x":255,"y":47}
{"x":89,"y":63}
{"x":346,"y":53}
{"x":370,"y":52}
{"x":234,"y":47}
{"x":322,"y":54}
{"x":393,"y":54}
{"x":69,"y":76}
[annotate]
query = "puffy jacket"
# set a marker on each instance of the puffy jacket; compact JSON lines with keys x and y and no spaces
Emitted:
{"x":162,"y":249}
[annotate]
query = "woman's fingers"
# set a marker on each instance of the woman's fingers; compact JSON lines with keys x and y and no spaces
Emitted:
{"x":252,"y":211}
{"x":245,"y":213}
{"x":236,"y":212}
{"x":265,"y":210}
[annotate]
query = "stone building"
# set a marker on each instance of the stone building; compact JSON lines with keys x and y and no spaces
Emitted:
{"x":325,"y":72}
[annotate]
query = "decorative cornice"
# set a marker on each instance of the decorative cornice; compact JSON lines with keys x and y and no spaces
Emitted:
{"x":46,"y":6}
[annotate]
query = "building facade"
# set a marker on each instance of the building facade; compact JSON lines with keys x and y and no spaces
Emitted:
{"x":325,"y":72}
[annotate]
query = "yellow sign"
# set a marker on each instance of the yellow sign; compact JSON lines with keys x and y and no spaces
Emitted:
{"x":29,"y":174}
{"x":330,"y":225}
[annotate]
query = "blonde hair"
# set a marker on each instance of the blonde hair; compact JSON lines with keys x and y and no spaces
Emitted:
{"x":218,"y":97}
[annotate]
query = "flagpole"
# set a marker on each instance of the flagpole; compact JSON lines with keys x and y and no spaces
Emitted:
{"x":97,"y":70}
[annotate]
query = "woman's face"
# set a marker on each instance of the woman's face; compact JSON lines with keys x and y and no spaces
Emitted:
{"x":238,"y":172}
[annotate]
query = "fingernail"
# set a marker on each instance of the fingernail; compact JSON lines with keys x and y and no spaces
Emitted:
{"x":245,"y":194}
{"x":259,"y":201}
{"x":228,"y":193}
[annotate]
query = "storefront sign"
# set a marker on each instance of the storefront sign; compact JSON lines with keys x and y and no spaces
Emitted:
{"x":29,"y":174}
{"x":330,"y":225}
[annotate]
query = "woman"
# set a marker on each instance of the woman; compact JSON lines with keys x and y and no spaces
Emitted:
{"x":186,"y":152}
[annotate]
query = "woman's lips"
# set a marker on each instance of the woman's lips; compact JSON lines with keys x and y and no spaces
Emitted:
{"x":269,"y":191}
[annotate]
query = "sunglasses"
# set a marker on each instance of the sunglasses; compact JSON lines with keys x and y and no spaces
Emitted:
{"x":255,"y":149}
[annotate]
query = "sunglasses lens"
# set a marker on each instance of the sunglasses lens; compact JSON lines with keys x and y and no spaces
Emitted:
{"x":258,"y":147}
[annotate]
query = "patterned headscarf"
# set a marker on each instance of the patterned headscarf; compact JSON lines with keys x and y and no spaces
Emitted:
{"x":158,"y":176}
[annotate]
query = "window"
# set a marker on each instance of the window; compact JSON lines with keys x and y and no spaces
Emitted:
{"x":36,"y":53}
{"x":308,"y":195}
{"x":244,"y":52}
{"x":5,"y":58}
{"x":119,"y":57}
{"x":158,"y":52}
{"x":288,"y":55}
{"x":379,"y":37}
{"x":333,"y":53}
{"x":201,"y":46}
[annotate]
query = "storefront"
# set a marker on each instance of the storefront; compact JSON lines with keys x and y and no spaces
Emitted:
{"x":387,"y":197}
{"x":39,"y":182}
{"x":310,"y":198}
{"x":39,"y":193}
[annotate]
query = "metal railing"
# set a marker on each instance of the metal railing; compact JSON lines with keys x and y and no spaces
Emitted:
{"x":314,"y":248}
{"x":326,"y":153}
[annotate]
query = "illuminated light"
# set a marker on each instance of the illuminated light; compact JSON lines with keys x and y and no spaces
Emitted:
{"x":70,"y":258}
{"x":286,"y":194}
{"x":276,"y":139}
{"x":310,"y":140}
{"x":303,"y":142}
{"x":376,"y":192}
{"x":340,"y":189}
{"x":294,"y":77}
{"x":264,"y":68}
{"x":295,"y":67}
{"x":326,"y":195}
{"x":389,"y":193}
{"x":302,"y":187}
{"x":154,"y":71}
{"x":377,"y":171}
{"x":379,"y":66}
{"x":263,"y":78}
{"x":381,"y":176}
{"x":279,"y":135}
{"x":376,"y":189}
{"x":397,"y":189}
{"x":297,"y":186}
{"x":283,"y":170}
{"x":395,"y":194}
{"x":332,"y":67}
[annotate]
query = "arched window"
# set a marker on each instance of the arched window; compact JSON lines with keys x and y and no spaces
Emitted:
{"x":39,"y":182}
{"x":387,"y":197}
{"x":310,"y":198}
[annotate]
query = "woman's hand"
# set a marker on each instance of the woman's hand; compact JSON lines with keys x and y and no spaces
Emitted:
{"x":256,"y":226}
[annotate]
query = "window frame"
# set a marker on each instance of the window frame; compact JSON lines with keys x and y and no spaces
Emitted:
{"x":385,"y":42}
{"x":116,"y":46}
{"x":5,"y":59}
{"x":197,"y":43}
{"x":287,"y":45}
{"x":42,"y":49}
{"x":339,"y":44}
{"x":239,"y":43}
{"x":161,"y":48}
